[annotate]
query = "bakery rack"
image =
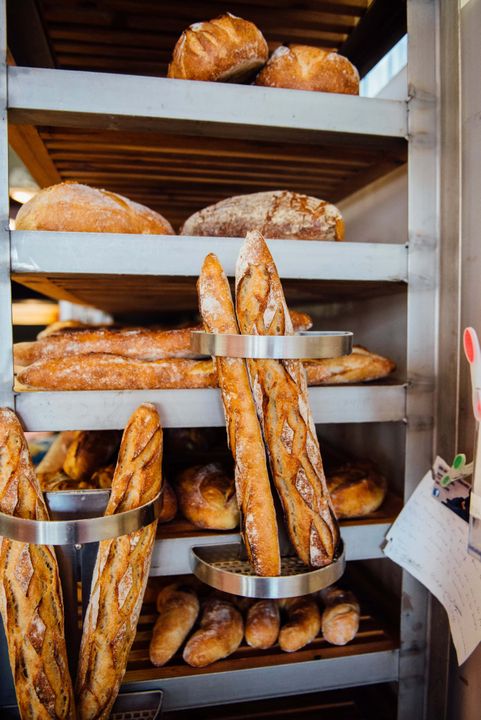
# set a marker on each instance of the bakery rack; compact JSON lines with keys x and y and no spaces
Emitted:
{"x":69,"y":123}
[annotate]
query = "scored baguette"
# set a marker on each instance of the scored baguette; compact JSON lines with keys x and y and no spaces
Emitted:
{"x":258,"y":517}
{"x":121,"y":570}
{"x":280,"y":393}
{"x":31,"y":602}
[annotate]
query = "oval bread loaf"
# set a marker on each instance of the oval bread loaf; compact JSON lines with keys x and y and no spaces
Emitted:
{"x":220,"y":634}
{"x":276,"y":214}
{"x":207,"y":498}
{"x":303,"y":623}
{"x":178,"y":608}
{"x":340,"y":619}
{"x":303,"y":67}
{"x":262,"y":624}
{"x":356,"y":489}
{"x":226,"y":49}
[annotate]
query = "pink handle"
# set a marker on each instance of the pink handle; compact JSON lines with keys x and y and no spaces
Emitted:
{"x":470,"y":344}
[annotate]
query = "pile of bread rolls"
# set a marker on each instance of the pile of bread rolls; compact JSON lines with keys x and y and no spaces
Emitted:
{"x":212,"y":629}
{"x":231,"y":49}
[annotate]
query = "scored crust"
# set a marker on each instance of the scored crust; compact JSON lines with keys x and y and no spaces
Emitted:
{"x":226,"y":49}
{"x":73,"y":207}
{"x":278,"y":214}
{"x":303,"y":67}
{"x":206,"y":495}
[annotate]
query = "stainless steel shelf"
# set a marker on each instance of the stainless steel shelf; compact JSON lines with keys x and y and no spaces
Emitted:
{"x":232,"y":686}
{"x":98,"y":410}
{"x":89,"y":99}
{"x":171,"y":556}
{"x":112,"y":254}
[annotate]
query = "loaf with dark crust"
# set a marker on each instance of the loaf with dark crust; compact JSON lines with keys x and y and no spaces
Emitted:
{"x":31,"y":601}
{"x":277,"y":214}
{"x":121,"y":570}
{"x":280,"y":393}
{"x":258,"y":517}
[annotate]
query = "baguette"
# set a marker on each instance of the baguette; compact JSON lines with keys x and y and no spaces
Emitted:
{"x":220,"y":634}
{"x":340,"y":619}
{"x":178,"y":608}
{"x":258,"y":517}
{"x":360,"y":366}
{"x":89,"y":450}
{"x":276,"y":214}
{"x":134,"y":343}
{"x":262,"y":624}
{"x":303,"y":623}
{"x":206,"y":495}
{"x":31,"y":601}
{"x":280,"y":393}
{"x":121,"y":570}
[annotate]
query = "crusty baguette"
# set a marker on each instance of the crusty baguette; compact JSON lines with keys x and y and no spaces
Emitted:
{"x":89,"y":450}
{"x":31,"y":601}
{"x":258,"y":517}
{"x":121,"y":570}
{"x":304,"y":67}
{"x":178,"y":608}
{"x":280,"y":393}
{"x":303,"y":623}
{"x":356,"y":489}
{"x":340,"y":618}
{"x":206,"y":495}
{"x":220,"y":634}
{"x":262,"y":624}
{"x":275,"y":213}
{"x":113,"y":372}
{"x":73,"y":207}
{"x":226,"y":49}
{"x":360,"y":366}
{"x":134,"y":343}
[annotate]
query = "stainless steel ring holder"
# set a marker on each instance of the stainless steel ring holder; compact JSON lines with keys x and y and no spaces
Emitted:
{"x":76,"y":543}
{"x":224,"y":567}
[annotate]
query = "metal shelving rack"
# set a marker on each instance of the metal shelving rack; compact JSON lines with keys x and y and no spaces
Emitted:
{"x":49,"y":261}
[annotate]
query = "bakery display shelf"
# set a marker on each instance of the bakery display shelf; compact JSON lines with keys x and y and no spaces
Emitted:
{"x":372,"y":657}
{"x":363,"y":538}
{"x":111,"y":409}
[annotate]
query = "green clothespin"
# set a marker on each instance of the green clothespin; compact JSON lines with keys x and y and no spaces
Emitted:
{"x":459,"y":468}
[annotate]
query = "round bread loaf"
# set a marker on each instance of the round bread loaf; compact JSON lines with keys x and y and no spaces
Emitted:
{"x":72,"y":207}
{"x":275,"y":214}
{"x":302,"y":67}
{"x":356,"y":489}
{"x":226,"y":49}
{"x":206,"y":496}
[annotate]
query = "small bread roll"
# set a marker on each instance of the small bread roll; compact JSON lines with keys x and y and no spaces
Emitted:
{"x":302,"y":67}
{"x":356,"y":489}
{"x":303,"y":623}
{"x":206,"y":496}
{"x":226,"y":49}
{"x":340,"y":619}
{"x":89,"y":450}
{"x":262,"y":624}
{"x":178,"y":608}
{"x":221,"y":632}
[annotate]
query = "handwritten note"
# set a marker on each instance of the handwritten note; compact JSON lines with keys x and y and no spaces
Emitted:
{"x":430,"y":542}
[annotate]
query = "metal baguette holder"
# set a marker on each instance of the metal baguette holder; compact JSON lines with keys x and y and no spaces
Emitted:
{"x":225,"y":567}
{"x":76,"y":544}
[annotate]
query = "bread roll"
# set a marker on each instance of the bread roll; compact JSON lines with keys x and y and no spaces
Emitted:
{"x":113,"y":372}
{"x":220,"y":634}
{"x":340,"y":619}
{"x":259,"y":524}
{"x":356,"y":489}
{"x":262,"y":624}
{"x":303,"y":623}
{"x":226,"y":49}
{"x":360,"y":366}
{"x":280,"y":392}
{"x":276,"y":214}
{"x":54,"y":458}
{"x":121,"y":570}
{"x":178,"y":608}
{"x":89,"y":450}
{"x":31,"y":601}
{"x":206,"y":495}
{"x":72,"y":207}
{"x":303,"y":67}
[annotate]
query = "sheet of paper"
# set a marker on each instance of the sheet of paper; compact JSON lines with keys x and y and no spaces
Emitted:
{"x":430,"y":542}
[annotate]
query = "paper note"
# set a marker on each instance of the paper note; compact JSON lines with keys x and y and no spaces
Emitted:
{"x":431,"y":543}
